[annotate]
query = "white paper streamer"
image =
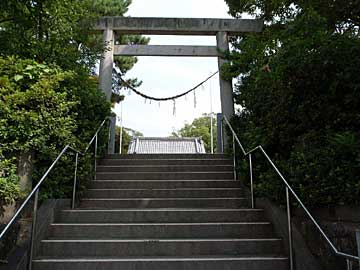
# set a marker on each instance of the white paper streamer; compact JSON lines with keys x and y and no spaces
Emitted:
{"x":174,"y":108}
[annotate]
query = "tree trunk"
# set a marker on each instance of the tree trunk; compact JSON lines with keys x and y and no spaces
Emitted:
{"x":25,"y":170}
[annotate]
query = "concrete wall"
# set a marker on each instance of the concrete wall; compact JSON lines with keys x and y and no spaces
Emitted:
{"x":18,"y":258}
{"x":303,"y":258}
{"x":340,"y":224}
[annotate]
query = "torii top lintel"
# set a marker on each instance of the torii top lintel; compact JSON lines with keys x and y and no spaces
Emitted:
{"x":179,"y":26}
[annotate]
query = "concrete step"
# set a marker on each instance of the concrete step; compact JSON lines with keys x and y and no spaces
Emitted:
{"x":160,"y":215}
{"x":165,"y":168}
{"x":160,"y":247}
{"x":163,"y":162}
{"x":114,"y":203}
{"x":163,"y":175}
{"x":167,"y":156}
{"x":164,"y":263}
{"x":253,"y":230}
{"x":158,"y":184}
{"x":164,"y":193}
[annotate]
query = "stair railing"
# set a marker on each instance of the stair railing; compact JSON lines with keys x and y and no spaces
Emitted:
{"x":288,"y":191}
{"x":35,"y":192}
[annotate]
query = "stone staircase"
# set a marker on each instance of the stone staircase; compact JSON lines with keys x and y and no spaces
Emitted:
{"x":162,"y":212}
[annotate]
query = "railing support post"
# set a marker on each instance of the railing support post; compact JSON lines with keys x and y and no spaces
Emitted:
{"x":95,"y":155}
{"x":33,"y":230}
{"x":251,"y":183}
{"x":234,"y":154}
{"x":222,"y":137}
{"x":112,"y":128}
{"x":358,"y":244}
{"x":288,"y":210}
{"x":75,"y":182}
{"x":349,"y":265}
{"x":219,"y":118}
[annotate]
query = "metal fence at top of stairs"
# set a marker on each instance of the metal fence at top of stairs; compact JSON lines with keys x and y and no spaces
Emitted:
{"x":289,"y":192}
{"x":34,"y":194}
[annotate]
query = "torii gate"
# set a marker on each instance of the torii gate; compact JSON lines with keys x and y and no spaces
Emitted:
{"x":221,"y":28}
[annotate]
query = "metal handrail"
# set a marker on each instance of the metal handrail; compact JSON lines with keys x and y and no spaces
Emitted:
{"x":288,"y":188}
{"x":35,"y":190}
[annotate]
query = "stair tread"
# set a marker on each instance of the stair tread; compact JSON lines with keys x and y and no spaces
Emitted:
{"x":165,"y":209}
{"x":162,"y":258}
{"x":162,"y":232}
{"x":177,"y":159}
{"x":164,"y":199}
{"x":163,"y":224}
{"x":164,"y":166}
{"x":140,"y":189}
{"x":185,"y":172}
{"x":160,"y":240}
{"x":173,"y":180}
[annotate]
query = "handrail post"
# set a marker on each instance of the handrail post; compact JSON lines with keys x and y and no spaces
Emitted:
{"x":33,"y":229}
{"x":288,"y":210}
{"x":222,"y":137}
{"x":95,"y":154}
{"x":358,"y":244}
{"x":234,"y":154}
{"x":349,"y":265}
{"x":75,"y":180}
{"x":251,"y":183}
{"x":219,"y":119}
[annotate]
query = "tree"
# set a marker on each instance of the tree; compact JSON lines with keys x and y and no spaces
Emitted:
{"x":127,"y":135}
{"x":337,"y":14}
{"x":299,"y":89}
{"x":200,"y":128}
{"x":55,"y":31}
{"x":35,"y":113}
{"x":49,"y":97}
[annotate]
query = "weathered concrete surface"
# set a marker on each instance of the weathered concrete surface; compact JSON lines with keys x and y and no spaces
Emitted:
{"x":112,"y":127}
{"x":303,"y":258}
{"x":18,"y":258}
{"x":226,"y":90}
{"x":106,"y":69}
{"x":107,"y":62}
{"x":179,"y":26}
{"x":222,"y":28}
{"x":166,"y":50}
{"x":219,"y":133}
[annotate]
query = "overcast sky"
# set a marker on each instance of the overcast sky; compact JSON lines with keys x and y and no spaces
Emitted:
{"x":169,"y":76}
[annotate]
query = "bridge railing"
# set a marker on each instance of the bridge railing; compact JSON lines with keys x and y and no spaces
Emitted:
{"x":289,"y":193}
{"x":34,"y":194}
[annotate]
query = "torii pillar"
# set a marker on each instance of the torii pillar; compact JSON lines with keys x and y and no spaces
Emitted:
{"x":226,"y":94}
{"x":105,"y":80}
{"x":226,"y":90}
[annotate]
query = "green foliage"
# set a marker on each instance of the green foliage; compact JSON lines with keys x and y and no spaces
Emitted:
{"x":109,"y":7}
{"x":51,"y":99}
{"x":299,"y":89}
{"x":59,"y":31}
{"x":127,"y":135}
{"x":35,"y":112}
{"x":9,"y":190}
{"x":91,"y":109}
{"x":199,"y":128}
{"x":51,"y":31}
{"x":337,"y":13}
